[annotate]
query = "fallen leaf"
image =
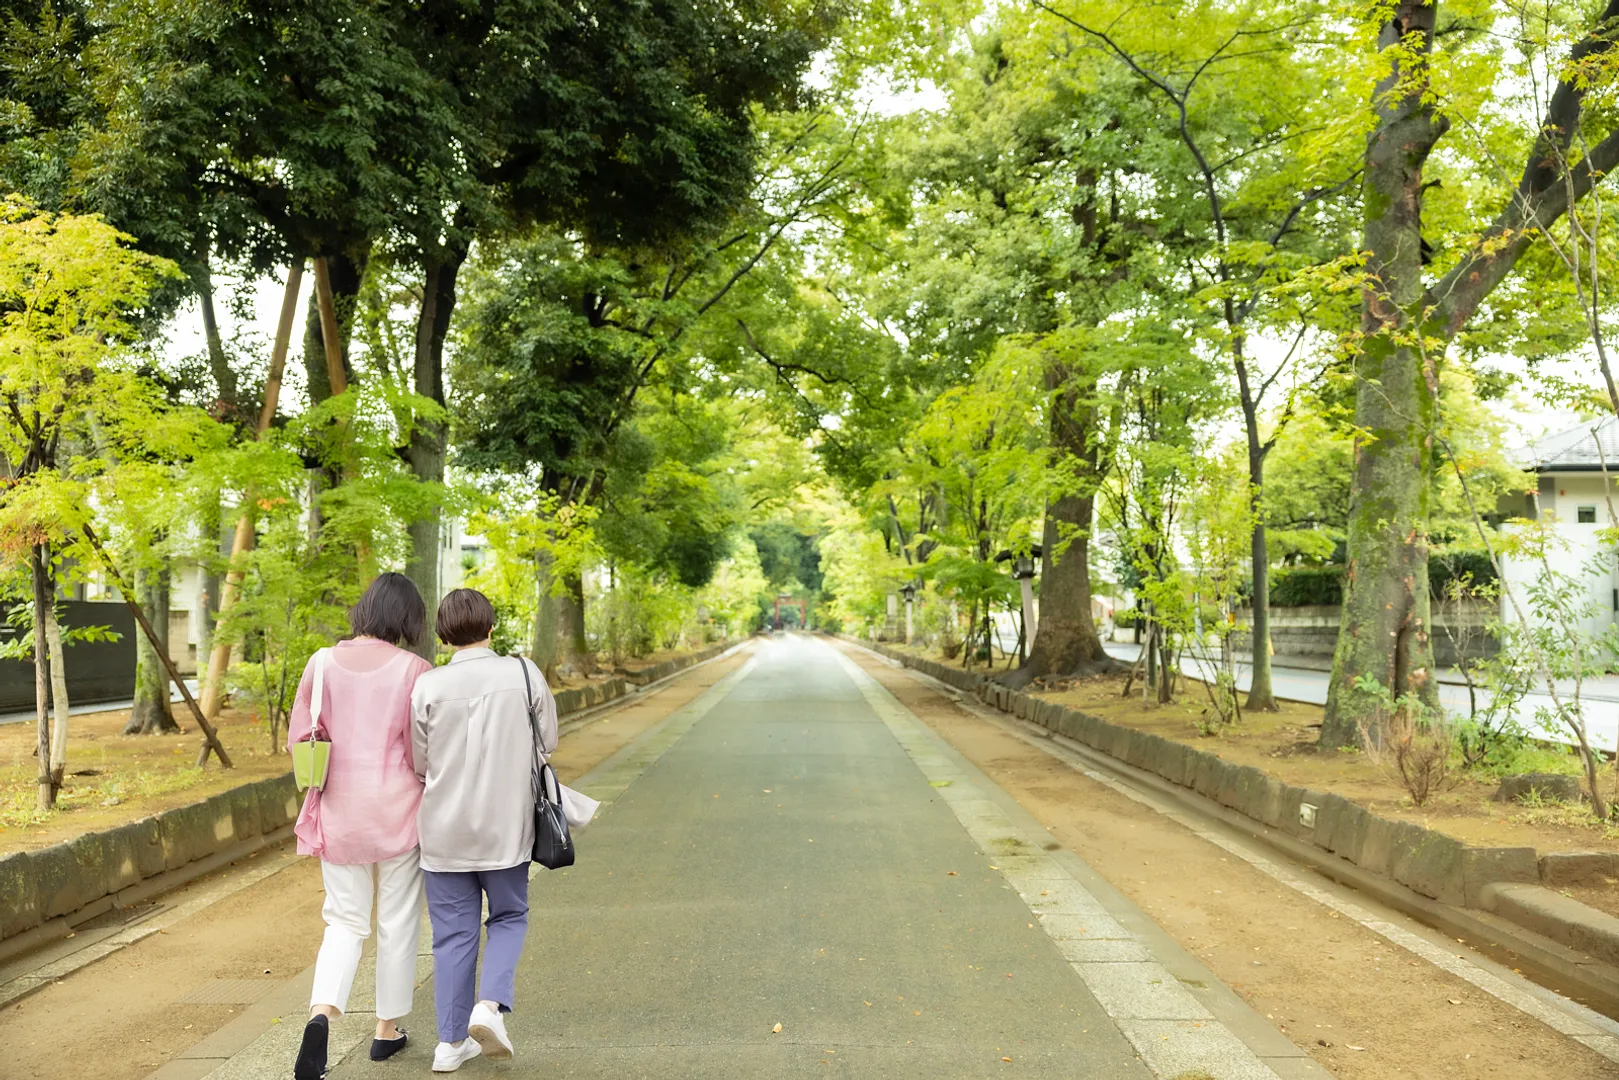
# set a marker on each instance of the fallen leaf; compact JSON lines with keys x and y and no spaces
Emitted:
{"x":1454,"y":1001}
{"x":776,"y":1030}
{"x":1006,"y":1059}
{"x":952,"y":873}
{"x":868,"y":1004}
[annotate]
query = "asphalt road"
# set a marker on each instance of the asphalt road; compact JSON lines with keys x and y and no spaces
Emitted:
{"x":1599,"y":697}
{"x":795,"y":849}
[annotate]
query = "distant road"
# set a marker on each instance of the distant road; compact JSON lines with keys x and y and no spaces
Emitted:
{"x":93,"y":707}
{"x":1600,"y":696}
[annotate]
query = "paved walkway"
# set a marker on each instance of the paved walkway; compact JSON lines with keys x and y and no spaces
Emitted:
{"x":795,"y":848}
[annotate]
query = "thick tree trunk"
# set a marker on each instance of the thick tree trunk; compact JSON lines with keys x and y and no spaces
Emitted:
{"x":39,"y":562}
{"x":542,"y":647}
{"x":1384,"y":632}
{"x":573,"y":644}
{"x":152,"y":713}
{"x":428,"y":437}
{"x":1065,"y":639}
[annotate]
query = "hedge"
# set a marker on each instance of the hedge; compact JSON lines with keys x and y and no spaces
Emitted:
{"x":1309,"y":586}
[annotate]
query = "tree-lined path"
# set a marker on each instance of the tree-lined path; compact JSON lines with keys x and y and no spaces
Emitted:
{"x":796,"y":848}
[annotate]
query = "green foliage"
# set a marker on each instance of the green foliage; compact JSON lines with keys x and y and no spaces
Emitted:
{"x":1302,"y":586}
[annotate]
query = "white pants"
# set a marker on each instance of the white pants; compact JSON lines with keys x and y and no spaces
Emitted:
{"x":396,"y":884}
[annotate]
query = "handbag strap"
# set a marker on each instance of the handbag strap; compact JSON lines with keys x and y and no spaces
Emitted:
{"x":318,"y":694}
{"x":545,"y":778}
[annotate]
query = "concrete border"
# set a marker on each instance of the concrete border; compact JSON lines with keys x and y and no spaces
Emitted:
{"x":46,"y":895}
{"x":1494,"y":894}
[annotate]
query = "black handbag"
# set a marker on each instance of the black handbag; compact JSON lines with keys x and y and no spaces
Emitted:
{"x":553,"y":843}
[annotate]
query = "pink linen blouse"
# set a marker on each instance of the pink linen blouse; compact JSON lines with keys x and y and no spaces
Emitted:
{"x":367,"y":810}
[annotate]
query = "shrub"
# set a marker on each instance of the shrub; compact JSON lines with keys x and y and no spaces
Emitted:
{"x":1307,"y":586}
{"x":1473,"y":568}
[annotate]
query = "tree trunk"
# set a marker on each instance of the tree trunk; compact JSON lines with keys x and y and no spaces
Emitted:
{"x":1384,"y":632}
{"x":39,"y":562}
{"x":59,"y":699}
{"x":212,"y":582}
{"x":1065,"y":637}
{"x":428,"y":437}
{"x":542,"y":647}
{"x":574,"y":645}
{"x":152,"y":714}
{"x":1260,"y":696}
{"x":224,"y":376}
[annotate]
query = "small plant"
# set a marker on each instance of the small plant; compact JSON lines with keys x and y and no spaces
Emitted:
{"x":1420,"y":740}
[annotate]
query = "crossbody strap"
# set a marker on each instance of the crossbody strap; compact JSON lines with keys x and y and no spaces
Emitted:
{"x":542,"y":789}
{"x":318,"y":694}
{"x":528,"y":698}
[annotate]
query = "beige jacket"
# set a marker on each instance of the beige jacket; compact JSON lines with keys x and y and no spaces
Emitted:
{"x":473,"y":747}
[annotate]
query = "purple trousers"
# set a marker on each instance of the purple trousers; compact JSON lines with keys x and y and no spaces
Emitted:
{"x":454,"y":905}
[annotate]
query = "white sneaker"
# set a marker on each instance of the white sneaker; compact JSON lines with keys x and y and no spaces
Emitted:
{"x":488,"y":1029}
{"x":451,"y":1056}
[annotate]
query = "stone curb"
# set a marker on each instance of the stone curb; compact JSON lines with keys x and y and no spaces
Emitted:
{"x":1515,"y":883}
{"x":45,"y":894}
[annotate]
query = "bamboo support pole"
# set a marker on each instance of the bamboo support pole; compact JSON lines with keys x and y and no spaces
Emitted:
{"x":210,"y":737}
{"x":213,"y":687}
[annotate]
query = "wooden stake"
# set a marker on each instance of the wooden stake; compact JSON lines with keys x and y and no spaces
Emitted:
{"x":335,"y":375}
{"x":210,"y":737}
{"x":213,"y":687}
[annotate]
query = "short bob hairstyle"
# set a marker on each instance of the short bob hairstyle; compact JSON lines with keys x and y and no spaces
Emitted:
{"x":465,"y":617}
{"x":391,"y":610}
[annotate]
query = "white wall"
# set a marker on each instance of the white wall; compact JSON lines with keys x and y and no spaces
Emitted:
{"x":1561,"y":497}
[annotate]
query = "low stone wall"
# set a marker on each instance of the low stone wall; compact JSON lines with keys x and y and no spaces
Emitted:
{"x":1427,"y":862}
{"x":1304,"y":637}
{"x":593,"y":694}
{"x":78,"y":880}
{"x":44,"y":893}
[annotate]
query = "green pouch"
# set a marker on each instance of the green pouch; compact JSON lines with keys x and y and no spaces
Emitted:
{"x":312,"y":756}
{"x":309,"y":761}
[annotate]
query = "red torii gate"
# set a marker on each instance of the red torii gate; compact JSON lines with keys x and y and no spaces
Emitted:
{"x":803,"y":611}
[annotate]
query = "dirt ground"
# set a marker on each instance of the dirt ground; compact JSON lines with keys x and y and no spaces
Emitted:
{"x":1283,"y":745}
{"x":114,"y":778}
{"x":1363,"y":1008}
{"x":129,"y":1000}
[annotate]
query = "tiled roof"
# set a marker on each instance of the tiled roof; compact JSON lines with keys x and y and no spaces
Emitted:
{"x":1576,"y":449}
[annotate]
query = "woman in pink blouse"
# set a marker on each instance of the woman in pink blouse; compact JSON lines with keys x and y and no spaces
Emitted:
{"x":362,"y":824}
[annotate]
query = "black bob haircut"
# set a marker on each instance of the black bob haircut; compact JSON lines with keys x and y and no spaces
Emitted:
{"x":465,"y":616}
{"x":391,"y":610}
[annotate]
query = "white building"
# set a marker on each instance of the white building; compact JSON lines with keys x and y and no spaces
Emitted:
{"x":1577,"y":473}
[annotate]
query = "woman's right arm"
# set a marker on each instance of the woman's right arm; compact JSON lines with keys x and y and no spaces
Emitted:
{"x":298,"y":719}
{"x":418,"y":731}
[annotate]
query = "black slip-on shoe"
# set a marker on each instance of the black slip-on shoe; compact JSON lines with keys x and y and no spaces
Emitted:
{"x":383,"y":1049}
{"x":311,"y":1063}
